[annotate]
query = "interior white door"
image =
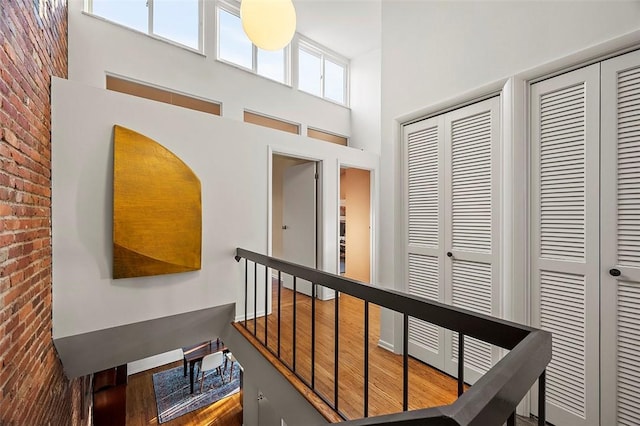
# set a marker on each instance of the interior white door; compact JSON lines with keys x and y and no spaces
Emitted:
{"x":565,"y":239}
{"x":472,"y":148}
{"x":299,"y":220}
{"x":620,"y":239}
{"x":424,"y":151}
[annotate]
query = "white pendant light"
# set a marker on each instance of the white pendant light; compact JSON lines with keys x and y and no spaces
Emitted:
{"x":269,"y":24}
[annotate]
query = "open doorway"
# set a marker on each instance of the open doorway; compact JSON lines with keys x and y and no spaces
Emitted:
{"x":295,"y":214}
{"x":355,"y":224}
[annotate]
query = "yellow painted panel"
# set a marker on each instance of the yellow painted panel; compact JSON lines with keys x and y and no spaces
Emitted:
{"x":157,"y":209}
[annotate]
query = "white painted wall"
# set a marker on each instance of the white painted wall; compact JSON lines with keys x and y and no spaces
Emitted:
{"x":437,"y":51}
{"x":231,"y":159}
{"x":97,"y":47}
{"x":365,"y":101}
{"x":154,"y":361}
{"x":261,"y":378}
{"x":434,"y":50}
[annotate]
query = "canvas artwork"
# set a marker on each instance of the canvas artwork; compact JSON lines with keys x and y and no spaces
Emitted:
{"x":157,"y":209}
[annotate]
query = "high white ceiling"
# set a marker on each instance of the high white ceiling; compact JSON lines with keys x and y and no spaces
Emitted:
{"x":348,"y":27}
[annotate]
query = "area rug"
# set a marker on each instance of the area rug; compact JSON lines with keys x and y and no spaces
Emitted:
{"x":172,"y":391}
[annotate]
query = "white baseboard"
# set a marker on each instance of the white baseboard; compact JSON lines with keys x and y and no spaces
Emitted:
{"x":386,"y":345}
{"x":327,"y":294}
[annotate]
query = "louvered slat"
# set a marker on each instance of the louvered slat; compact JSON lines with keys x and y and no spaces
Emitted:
{"x":471,"y":289}
{"x":423,"y":281}
{"x":471,"y":183}
{"x":628,"y":246}
{"x":562,"y":175}
{"x":628,"y":167}
{"x":422,"y":162}
{"x":628,"y":358}
{"x":562,"y":301}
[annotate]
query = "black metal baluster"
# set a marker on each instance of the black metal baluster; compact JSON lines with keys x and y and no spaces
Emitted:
{"x":266,"y":308}
{"x":255,"y":298}
{"x":294,"y":323}
{"x":366,"y":358}
{"x":460,"y":364}
{"x":246,"y":290}
{"x":542,"y":398}
{"x":405,"y":364}
{"x":373,"y":298}
{"x":336,"y":346}
{"x":313,"y":335}
{"x":279,"y":310}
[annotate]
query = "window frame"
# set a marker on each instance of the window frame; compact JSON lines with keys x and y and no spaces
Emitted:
{"x":313,"y":48}
{"x":88,"y":8}
{"x":233,"y":8}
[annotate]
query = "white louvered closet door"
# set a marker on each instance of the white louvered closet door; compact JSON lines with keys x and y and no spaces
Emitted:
{"x":471,"y":225}
{"x":423,"y":153}
{"x":620,"y":227}
{"x":565,"y":239}
{"x":451,"y":178}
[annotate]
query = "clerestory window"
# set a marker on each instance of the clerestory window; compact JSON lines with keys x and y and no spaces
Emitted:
{"x":234,"y":47}
{"x":322,"y":73}
{"x":175,"y":20}
{"x":319,"y":71}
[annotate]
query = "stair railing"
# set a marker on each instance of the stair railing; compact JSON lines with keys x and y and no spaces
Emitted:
{"x":492,"y":400}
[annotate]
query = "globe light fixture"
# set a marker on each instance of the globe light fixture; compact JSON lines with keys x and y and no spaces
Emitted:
{"x":269,"y":24}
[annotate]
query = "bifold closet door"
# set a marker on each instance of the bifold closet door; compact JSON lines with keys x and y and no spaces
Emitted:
{"x":620,"y":252}
{"x":472,"y":136}
{"x":565,"y":239}
{"x":424,"y":176}
{"x":451,"y":178}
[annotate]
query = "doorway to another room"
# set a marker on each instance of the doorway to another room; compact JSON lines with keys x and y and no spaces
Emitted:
{"x":355,"y":224}
{"x":294,"y":214}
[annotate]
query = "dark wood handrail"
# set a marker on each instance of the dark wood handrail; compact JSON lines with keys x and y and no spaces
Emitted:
{"x":495,"y":331}
{"x":493,"y":398}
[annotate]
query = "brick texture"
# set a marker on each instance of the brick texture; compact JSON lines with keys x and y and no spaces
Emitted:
{"x":33,"y":46}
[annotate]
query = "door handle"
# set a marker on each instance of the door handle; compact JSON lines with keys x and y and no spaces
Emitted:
{"x":449,"y":254}
{"x":284,"y":227}
{"x":614,"y":272}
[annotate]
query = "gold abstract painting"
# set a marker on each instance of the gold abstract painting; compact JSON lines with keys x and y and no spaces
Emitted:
{"x":157,"y":209}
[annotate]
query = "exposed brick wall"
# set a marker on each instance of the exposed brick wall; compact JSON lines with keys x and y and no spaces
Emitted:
{"x":33,"y":46}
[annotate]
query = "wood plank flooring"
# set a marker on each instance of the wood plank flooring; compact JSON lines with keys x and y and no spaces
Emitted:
{"x":142,"y":410}
{"x":427,"y":387}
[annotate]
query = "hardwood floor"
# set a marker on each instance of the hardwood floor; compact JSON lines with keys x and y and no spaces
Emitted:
{"x":142,"y":411}
{"x":427,"y":387}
